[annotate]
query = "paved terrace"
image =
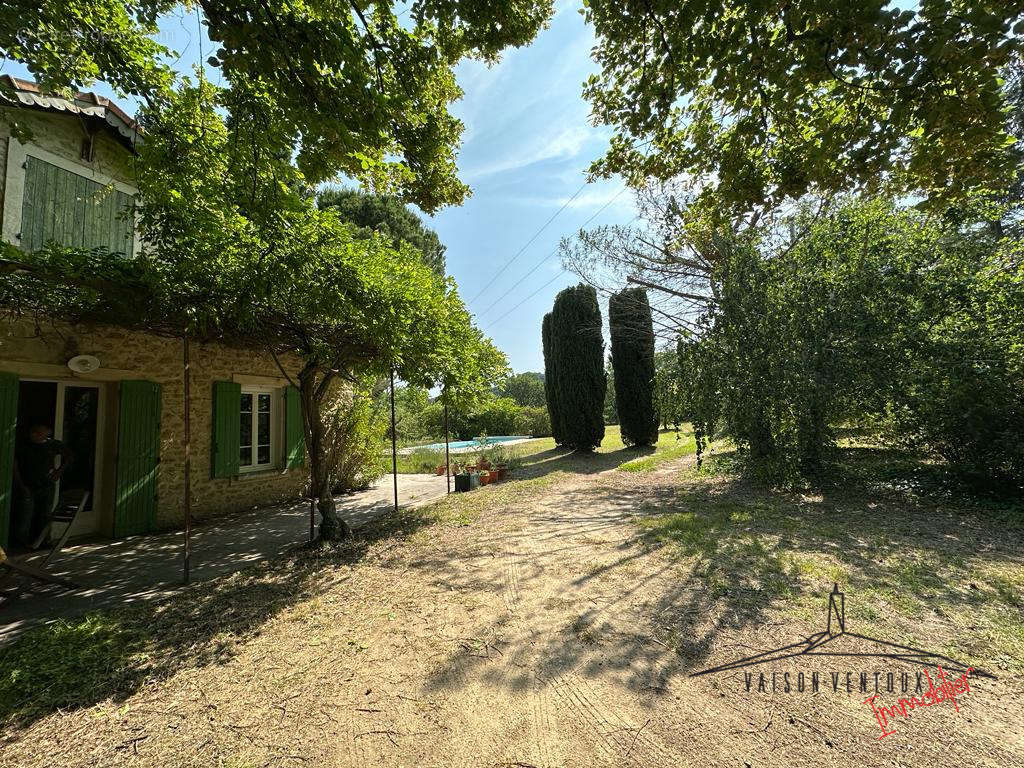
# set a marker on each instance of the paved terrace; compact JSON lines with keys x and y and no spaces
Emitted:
{"x":142,"y":568}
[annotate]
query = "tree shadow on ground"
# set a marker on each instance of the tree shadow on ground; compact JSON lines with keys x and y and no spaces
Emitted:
{"x":721,"y":557}
{"x":576,"y":462}
{"x":111,"y":654}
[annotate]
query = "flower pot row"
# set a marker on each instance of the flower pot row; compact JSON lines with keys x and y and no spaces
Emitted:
{"x":472,"y":477}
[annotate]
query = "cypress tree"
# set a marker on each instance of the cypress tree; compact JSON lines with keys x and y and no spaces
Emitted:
{"x":549,"y":381}
{"x":632,"y":332}
{"x":578,"y":363}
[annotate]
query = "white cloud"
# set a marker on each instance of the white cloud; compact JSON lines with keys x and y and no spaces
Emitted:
{"x":595,"y":196}
{"x":567,"y":143}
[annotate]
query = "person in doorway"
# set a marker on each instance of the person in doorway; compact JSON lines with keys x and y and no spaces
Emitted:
{"x":36,"y":473}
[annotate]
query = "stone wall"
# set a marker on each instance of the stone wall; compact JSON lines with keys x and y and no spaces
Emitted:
{"x":42,"y":351}
{"x":62,"y":134}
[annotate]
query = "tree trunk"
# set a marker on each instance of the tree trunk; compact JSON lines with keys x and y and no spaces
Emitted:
{"x":332,"y":527}
{"x":312,"y":394}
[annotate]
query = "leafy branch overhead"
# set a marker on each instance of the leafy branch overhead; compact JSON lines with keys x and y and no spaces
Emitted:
{"x":362,"y":88}
{"x":757,"y":103}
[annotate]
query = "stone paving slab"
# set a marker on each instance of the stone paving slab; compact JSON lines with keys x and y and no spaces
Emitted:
{"x":143,"y":568}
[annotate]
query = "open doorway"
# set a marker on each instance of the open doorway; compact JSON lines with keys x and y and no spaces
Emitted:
{"x":72,"y":412}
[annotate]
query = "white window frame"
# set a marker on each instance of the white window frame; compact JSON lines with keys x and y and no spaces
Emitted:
{"x":275,"y":429}
{"x":14,"y":185}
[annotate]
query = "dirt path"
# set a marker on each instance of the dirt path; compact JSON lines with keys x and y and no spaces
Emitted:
{"x":545,"y":634}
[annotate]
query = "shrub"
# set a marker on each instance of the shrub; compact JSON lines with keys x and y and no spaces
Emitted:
{"x":423,"y":461}
{"x":357,"y":442}
{"x":961,"y":392}
{"x":534,"y":422}
{"x":805,"y":338}
{"x":875,"y":311}
{"x":495,"y":416}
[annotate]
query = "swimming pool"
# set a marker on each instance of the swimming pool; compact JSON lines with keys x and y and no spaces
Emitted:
{"x":457,"y":445}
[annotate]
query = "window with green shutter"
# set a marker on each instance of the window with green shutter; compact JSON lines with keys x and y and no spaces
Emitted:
{"x":227,"y":405}
{"x":73,"y":210}
{"x":295,"y":438}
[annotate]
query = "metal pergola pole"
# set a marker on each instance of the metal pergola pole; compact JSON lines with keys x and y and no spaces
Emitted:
{"x":186,"y":560}
{"x":394,"y":440}
{"x":447,"y":459}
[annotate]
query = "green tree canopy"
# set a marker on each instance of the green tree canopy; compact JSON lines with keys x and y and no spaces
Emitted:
{"x":760,"y":102}
{"x":352,"y":86}
{"x":525,"y":388}
{"x":387,"y":216}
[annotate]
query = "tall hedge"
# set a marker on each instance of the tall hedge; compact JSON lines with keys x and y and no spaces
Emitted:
{"x":549,"y":380}
{"x":632,"y":332}
{"x":577,"y":352}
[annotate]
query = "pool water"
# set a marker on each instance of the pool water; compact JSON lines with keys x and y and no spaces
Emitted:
{"x":457,"y":444}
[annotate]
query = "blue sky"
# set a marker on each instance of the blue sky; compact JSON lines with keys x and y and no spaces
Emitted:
{"x":527,"y":144}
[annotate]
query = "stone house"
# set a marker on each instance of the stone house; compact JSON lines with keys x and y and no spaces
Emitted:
{"x":119,"y":406}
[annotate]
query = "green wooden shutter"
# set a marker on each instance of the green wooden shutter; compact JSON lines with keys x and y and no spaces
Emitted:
{"x":227,"y":407}
{"x":8,"y":424}
{"x":138,"y":458}
{"x":74,"y":210}
{"x":294,"y":433}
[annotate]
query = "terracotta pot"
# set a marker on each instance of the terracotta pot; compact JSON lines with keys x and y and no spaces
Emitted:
{"x":440,"y":470}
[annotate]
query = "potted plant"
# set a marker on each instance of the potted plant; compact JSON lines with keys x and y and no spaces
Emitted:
{"x":463,"y":482}
{"x":440,"y":470}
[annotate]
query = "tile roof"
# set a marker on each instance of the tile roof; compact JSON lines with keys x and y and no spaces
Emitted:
{"x":25,"y":93}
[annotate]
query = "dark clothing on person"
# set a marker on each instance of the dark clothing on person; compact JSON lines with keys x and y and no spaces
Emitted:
{"x":36,"y":461}
{"x":34,"y":502}
{"x":32,"y":511}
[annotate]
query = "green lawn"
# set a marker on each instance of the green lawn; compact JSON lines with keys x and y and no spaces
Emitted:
{"x":534,"y":454}
{"x":919,"y":561}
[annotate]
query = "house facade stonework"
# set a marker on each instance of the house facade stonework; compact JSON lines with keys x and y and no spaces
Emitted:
{"x":123,"y":414}
{"x":40,"y":353}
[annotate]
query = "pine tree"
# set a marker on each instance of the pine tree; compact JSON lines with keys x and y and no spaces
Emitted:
{"x":578,"y":363}
{"x":632,"y":332}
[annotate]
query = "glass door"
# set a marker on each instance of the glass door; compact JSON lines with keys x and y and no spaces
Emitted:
{"x":78,"y":429}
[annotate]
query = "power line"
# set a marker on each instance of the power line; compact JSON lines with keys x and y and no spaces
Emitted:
{"x":560,"y":272}
{"x":519,"y":253}
{"x":517,"y":306}
{"x":537,"y":266}
{"x":565,"y":205}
